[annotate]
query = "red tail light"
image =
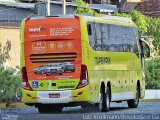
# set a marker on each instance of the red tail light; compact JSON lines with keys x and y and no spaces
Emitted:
{"x":25,"y":83}
{"x":76,"y":16}
{"x":24,"y":74}
{"x":27,"y":19}
{"x":84,"y":77}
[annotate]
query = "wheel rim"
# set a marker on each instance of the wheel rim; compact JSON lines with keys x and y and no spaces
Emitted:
{"x":137,"y":96}
{"x":107,"y":100}
{"x":100,"y":101}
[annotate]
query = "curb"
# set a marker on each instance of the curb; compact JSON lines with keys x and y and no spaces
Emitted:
{"x":152,"y":94}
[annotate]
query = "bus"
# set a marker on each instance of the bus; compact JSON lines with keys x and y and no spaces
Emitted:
{"x":79,"y":59}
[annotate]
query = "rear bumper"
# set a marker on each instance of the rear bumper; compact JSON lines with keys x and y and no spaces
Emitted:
{"x":66,"y":96}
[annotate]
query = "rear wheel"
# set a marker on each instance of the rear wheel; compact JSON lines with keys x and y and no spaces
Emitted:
{"x":73,"y":71}
{"x":108,"y":99}
{"x":102,"y":101}
{"x":134,"y":102}
{"x":56,"y":109}
{"x":50,"y":109}
{"x":44,"y":109}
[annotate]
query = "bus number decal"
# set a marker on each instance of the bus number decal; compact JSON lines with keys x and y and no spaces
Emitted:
{"x":102,"y":60}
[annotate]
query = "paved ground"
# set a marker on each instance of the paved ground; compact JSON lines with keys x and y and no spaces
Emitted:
{"x":145,"y":111}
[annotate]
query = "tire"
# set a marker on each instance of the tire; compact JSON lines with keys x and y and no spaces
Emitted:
{"x":56,"y":109}
{"x":35,"y":72}
{"x":102,"y":101}
{"x":108,"y":99}
{"x":44,"y":109}
{"x":60,"y":73}
{"x":49,"y":109}
{"x":73,"y":71}
{"x":134,"y":102}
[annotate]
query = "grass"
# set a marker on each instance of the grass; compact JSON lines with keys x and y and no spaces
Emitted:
{"x":17,"y":105}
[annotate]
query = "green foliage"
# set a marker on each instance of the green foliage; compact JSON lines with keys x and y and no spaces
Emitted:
{"x":140,"y":21}
{"x":10,"y":84}
{"x":152,"y":74}
{"x":154,"y":29}
{"x":148,"y":26}
{"x":123,"y":15}
{"x":138,"y":18}
{"x":83,"y":8}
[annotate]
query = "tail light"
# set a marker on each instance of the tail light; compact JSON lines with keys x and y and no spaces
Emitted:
{"x":25,"y":83}
{"x":84,"y":77}
{"x":27,"y":19}
{"x":76,"y":16}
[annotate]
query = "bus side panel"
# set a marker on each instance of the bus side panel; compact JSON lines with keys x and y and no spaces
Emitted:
{"x":22,"y":56}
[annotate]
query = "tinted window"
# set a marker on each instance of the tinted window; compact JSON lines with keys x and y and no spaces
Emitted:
{"x":106,"y":41}
{"x":91,"y":33}
{"x":108,"y":37}
{"x":98,"y":36}
{"x":135,"y":45}
{"x":120,"y":41}
{"x":112,"y":37}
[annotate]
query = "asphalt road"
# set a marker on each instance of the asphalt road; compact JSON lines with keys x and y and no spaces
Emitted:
{"x":145,"y":111}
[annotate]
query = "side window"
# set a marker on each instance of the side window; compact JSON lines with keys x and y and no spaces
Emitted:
{"x":102,"y":35}
{"x":116,"y":38}
{"x":133,"y":39}
{"x":98,"y":37}
{"x":126,"y":38}
{"x":112,"y":37}
{"x":120,"y":42}
{"x":106,"y":41}
{"x":91,"y":33}
{"x":137,"y":37}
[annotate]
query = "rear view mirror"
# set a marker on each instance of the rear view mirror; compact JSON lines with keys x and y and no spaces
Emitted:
{"x":145,"y":49}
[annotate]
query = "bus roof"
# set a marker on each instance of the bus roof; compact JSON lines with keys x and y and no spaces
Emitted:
{"x":100,"y":17}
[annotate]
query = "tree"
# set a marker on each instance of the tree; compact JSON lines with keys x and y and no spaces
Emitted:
{"x":154,"y":30}
{"x":83,"y":8}
{"x":138,"y":18}
{"x":152,"y":74}
{"x":10,"y":84}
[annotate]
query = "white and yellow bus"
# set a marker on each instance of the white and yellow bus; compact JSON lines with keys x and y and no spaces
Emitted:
{"x":77,"y":59}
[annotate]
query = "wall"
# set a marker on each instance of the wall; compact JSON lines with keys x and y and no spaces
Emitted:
{"x":152,"y":94}
{"x":9,"y":46}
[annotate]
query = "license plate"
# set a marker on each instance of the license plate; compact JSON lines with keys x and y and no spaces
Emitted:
{"x":54,"y":95}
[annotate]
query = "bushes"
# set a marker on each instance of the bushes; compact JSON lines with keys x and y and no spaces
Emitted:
{"x":152,"y":73}
{"x":10,"y":84}
{"x":138,"y":18}
{"x":83,"y":8}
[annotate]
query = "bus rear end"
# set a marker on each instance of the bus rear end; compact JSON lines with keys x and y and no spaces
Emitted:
{"x":51,"y":62}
